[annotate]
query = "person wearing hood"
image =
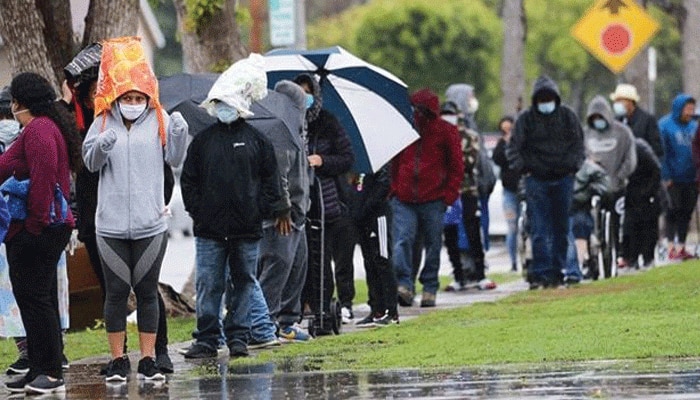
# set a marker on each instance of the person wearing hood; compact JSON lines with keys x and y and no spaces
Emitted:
{"x":128,"y":141}
{"x":330,"y":157}
{"x":230,"y":185}
{"x":678,"y":129}
{"x":642,"y":207}
{"x":547,"y":147}
{"x":425,"y":179}
{"x":627,"y":110}
{"x":283,"y":253}
{"x":610,"y":143}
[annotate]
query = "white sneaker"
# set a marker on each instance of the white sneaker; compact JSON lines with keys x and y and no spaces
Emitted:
{"x":454,"y":287}
{"x":346,"y":314}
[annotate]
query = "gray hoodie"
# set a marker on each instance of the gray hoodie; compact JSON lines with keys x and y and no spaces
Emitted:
{"x":613,"y":147}
{"x":130,"y":201}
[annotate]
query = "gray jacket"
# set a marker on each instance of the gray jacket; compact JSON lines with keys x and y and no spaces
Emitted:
{"x":130,"y":201}
{"x":613,"y":147}
{"x":286,"y":132}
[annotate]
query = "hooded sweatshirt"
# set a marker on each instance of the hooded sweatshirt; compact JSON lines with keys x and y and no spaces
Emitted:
{"x":431,"y":168}
{"x":676,"y":139}
{"x":131,"y":202}
{"x":549,"y":146}
{"x":613,"y":147}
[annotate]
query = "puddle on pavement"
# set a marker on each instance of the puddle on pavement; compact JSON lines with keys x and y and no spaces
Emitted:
{"x":675,"y":379}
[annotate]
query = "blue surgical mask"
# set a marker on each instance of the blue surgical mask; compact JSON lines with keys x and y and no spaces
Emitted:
{"x":547,"y":108}
{"x":600,"y":124}
{"x":309,"y":100}
{"x":226,"y":113}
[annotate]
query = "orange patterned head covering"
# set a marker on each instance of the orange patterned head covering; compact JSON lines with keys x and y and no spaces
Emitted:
{"x":124,"y":68}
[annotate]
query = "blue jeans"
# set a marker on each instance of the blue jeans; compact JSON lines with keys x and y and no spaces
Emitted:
{"x":485,"y":221}
{"x":511,"y":212}
{"x":572,"y":270}
{"x":548,"y":204}
{"x":212,"y":258}
{"x":262,"y":329}
{"x":407,"y":220}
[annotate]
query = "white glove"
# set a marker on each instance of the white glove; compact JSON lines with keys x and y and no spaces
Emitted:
{"x":73,"y":242}
{"x":107,"y":139}
{"x":178,"y":123}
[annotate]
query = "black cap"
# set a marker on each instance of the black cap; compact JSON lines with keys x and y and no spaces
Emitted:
{"x":5,"y":100}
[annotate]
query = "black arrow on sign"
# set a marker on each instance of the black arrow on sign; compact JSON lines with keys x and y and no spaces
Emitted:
{"x":614,"y":6}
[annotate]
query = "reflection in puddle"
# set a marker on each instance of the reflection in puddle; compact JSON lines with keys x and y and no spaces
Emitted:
{"x":216,"y":380}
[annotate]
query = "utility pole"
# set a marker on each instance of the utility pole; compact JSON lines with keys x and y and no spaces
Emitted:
{"x":300,"y":25}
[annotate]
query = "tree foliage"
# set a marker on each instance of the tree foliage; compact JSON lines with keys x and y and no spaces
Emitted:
{"x":429,"y":43}
{"x":426,"y":44}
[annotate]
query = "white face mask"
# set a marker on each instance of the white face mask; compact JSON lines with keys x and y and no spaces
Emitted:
{"x":473,"y":105}
{"x":619,"y":109}
{"x":131,"y":112}
{"x":9,"y":129}
{"x":452,"y":119}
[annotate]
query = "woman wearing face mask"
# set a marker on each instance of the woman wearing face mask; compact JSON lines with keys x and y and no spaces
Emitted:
{"x":46,"y":153}
{"x":127,"y":143}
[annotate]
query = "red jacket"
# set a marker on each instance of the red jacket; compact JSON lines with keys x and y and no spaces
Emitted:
{"x":40,"y":154}
{"x":432,"y":167}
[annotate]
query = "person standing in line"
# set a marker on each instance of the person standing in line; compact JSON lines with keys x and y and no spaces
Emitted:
{"x":331,"y":157}
{"x":643,"y":124}
{"x":469,"y":205}
{"x":547,"y":147}
{"x":370,"y":213}
{"x":677,"y":129}
{"x":230,"y":184}
{"x":283,"y":253}
{"x":79,"y":97}
{"x":510,"y":180}
{"x":425,"y":179}
{"x":46,"y":153}
{"x":642,"y":207}
{"x":127,"y":143}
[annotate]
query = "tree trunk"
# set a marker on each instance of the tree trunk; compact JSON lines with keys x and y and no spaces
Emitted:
{"x":512,"y":67}
{"x":690,"y":31}
{"x":58,"y":31}
{"x":22,"y":27}
{"x":214,"y":43}
{"x":109,"y":19}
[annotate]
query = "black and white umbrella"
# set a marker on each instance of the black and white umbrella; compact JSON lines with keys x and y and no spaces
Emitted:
{"x":370,"y":103}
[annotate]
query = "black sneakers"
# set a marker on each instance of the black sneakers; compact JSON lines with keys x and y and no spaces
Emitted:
{"x":147,"y":370}
{"x":17,"y":386}
{"x":164,"y":363}
{"x":118,"y":369}
{"x":43,"y":384}
{"x":198,"y":350}
{"x":21,"y":366}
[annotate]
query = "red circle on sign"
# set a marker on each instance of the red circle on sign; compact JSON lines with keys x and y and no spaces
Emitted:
{"x":616,"y":38}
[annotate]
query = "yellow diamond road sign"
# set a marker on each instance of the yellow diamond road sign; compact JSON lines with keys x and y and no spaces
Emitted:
{"x":614,"y":31}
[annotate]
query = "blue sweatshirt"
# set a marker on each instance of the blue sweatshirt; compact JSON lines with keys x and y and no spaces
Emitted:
{"x":677,"y":139}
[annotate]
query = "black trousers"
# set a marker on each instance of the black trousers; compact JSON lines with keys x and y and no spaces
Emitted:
{"x":33,"y":261}
{"x":642,"y":233}
{"x":339,"y":241}
{"x":683,"y":198}
{"x":375,"y":244}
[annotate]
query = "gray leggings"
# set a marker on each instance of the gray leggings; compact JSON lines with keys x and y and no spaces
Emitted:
{"x":131,"y":264}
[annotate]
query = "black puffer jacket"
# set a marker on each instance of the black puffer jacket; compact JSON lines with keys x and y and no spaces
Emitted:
{"x":328,"y":139}
{"x":550,"y":146}
{"x":230,"y":182}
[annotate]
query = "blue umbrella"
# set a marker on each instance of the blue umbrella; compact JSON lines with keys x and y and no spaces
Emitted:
{"x":370,"y":103}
